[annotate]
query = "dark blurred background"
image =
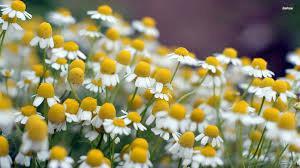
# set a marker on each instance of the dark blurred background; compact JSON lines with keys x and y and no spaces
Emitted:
{"x":256,"y":28}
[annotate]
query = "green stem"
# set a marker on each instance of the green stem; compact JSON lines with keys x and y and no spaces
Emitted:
{"x":261,"y":105}
{"x":259,"y":143}
{"x":246,"y":91}
{"x":179,"y":163}
{"x":132,"y":98}
{"x":173,"y":76}
{"x":2,"y":36}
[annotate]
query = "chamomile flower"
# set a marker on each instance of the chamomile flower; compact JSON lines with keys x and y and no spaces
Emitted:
{"x":88,"y":107}
{"x":5,"y":159}
{"x":241,"y":111}
{"x":59,"y":64}
{"x":24,"y":113}
{"x":258,"y":69}
{"x":137,"y":48}
{"x":7,"y":73}
{"x":6,"y":21}
{"x":59,"y":158}
{"x":6,"y":115}
{"x":91,"y":31}
{"x":141,"y":75}
{"x":116,"y":127}
{"x":160,"y":109}
{"x":228,"y":56}
{"x":183,"y":56}
{"x":45,"y":92}
{"x":280,"y":88}
{"x":212,"y":64}
{"x":111,"y":41}
{"x":16,"y":9}
{"x":35,"y":138}
{"x":76,"y":76}
{"x":28,"y":79}
{"x":70,"y":51}
{"x":294,"y":57}
{"x":123,"y":59}
{"x":194,"y":122}
{"x":210,"y":136}
{"x":206,"y":156}
{"x":104,"y":13}
{"x":94,"y":85}
{"x":72,"y":107}
{"x":56,"y":119}
{"x":146,"y":26}
{"x":133,"y":118}
{"x":162,"y":79}
{"x":107,"y":111}
{"x":93,"y":159}
{"x":61,"y":17}
{"x":138,"y":158}
{"x":44,"y":37}
{"x":108,"y":72}
{"x":271,"y":116}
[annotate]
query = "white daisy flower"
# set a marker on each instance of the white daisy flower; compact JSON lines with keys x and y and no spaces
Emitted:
{"x":24,"y":113}
{"x":206,"y":156}
{"x":133,"y":118}
{"x":5,"y":159}
{"x":59,"y":64}
{"x":106,"y":111}
{"x":72,"y":107}
{"x":59,"y":158}
{"x":108,"y":73}
{"x":116,"y":127}
{"x":94,"y":159}
{"x":146,"y":26}
{"x":88,"y":107}
{"x":228,"y":56}
{"x":138,"y":157}
{"x":111,"y":41}
{"x":27,"y":79}
{"x":6,"y":22}
{"x":93,"y":85}
{"x":57,"y":118}
{"x":6,"y":115}
{"x":45,"y":92}
{"x":137,"y":48}
{"x":279,"y":89}
{"x":16,"y":9}
{"x":195,"y":121}
{"x":104,"y":13}
{"x":140,"y":76}
{"x":160,"y":109}
{"x":210,"y":135}
{"x":271,"y":116}
{"x":7,"y":73}
{"x":183,"y":56}
{"x":44,"y":38}
{"x":258,"y":69}
{"x":164,"y":133}
{"x":212,"y":64}
{"x":61,"y":17}
{"x":90,"y":31}
{"x":70,"y":51}
{"x":162,"y":82}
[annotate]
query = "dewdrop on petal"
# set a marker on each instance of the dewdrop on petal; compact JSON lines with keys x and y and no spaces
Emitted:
{"x":44,"y":38}
{"x":76,"y":76}
{"x":106,"y":111}
{"x":108,"y":72}
{"x":56,"y":118}
{"x":210,"y":135}
{"x":5,"y":159}
{"x":59,"y":158}
{"x":45,"y":92}
{"x":72,"y":107}
{"x":88,"y":107}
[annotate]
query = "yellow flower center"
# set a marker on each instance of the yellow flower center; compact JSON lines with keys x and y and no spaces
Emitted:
{"x":142,"y":69}
{"x":56,"y":113}
{"x":18,"y":5}
{"x":5,"y":103}
{"x":231,"y":95}
{"x":294,"y":148}
{"x":58,"y":153}
{"x":255,"y":135}
{"x":124,"y":57}
{"x":287,"y":121}
{"x":92,"y":28}
{"x":138,"y":44}
{"x":271,"y":114}
{"x":240,"y":107}
{"x":45,"y":30}
{"x":76,"y":76}
{"x":46,"y":90}
{"x":213,"y":101}
{"x":187,"y":140}
{"x":8,"y":19}
{"x":230,"y":52}
{"x":139,"y":142}
{"x":160,"y":105}
{"x":280,"y":86}
{"x":112,"y":34}
{"x":64,"y":12}
{"x":162,"y":51}
{"x":138,"y":155}
{"x":259,"y":63}
{"x":61,"y":61}
{"x":88,"y":104}
{"x":198,"y":102}
{"x":245,"y":61}
{"x":27,"y":37}
{"x":177,"y":111}
{"x":212,"y":61}
{"x":108,"y":66}
{"x":197,"y":115}
{"x":105,"y":10}
{"x":107,"y":111}
{"x":208,"y":151}
{"x":38,"y":69}
{"x":181,"y":51}
{"x":97,"y":82}
{"x":71,"y":46}
{"x":28,"y":110}
{"x":149,"y":22}
{"x":119,"y":122}
{"x":267,"y":82}
{"x":4,"y":146}
{"x":37,"y":128}
{"x":94,"y":158}
{"x":78,"y":63}
{"x":58,"y":41}
{"x":137,"y":102}
{"x":72,"y":106}
{"x":201,"y":72}
{"x":99,"y":56}
{"x":163,"y":75}
{"x":211,"y":131}
{"x":134,"y":116}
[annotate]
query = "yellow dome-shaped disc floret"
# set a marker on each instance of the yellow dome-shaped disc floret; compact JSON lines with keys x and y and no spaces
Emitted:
{"x":97,"y":82}
{"x":46,"y":90}
{"x":211,"y":131}
{"x":107,"y":111}
{"x":149,"y":21}
{"x":72,"y":106}
{"x":181,"y":51}
{"x":94,"y":157}
{"x":294,"y":148}
{"x":280,"y":86}
{"x":201,"y":72}
{"x":112,"y":34}
{"x":160,"y":105}
{"x":134,"y":117}
{"x":92,"y":28}
{"x":138,"y":44}
{"x":71,"y":46}
{"x":230,"y":52}
{"x":208,"y":151}
{"x":142,"y":69}
{"x":77,"y":63}
{"x":231,"y":95}
{"x":37,"y":128}
{"x":4,"y":146}
{"x":45,"y":30}
{"x":119,"y":122}
{"x":139,"y":155}
{"x":259,"y":63}
{"x":271,"y":114}
{"x":98,"y":56}
{"x":124,"y":57}
{"x":105,"y":10}
{"x":28,"y":110}
{"x":140,"y":143}
{"x":108,"y":66}
{"x":197,"y":115}
{"x":213,"y":101}
{"x":177,"y":111}
{"x":267,"y":82}
{"x":58,"y":41}
{"x":56,"y":113}
{"x":187,"y":140}
{"x":163,"y":75}
{"x":5,"y":103}
{"x":211,"y":60}
{"x":137,"y":101}
{"x":255,"y":135}
{"x":61,"y":61}
{"x":18,"y":5}
{"x":88,"y":104}
{"x":58,"y":153}
{"x":38,"y":69}
{"x":245,"y":61}
{"x":240,"y":107}
{"x":27,"y":37}
{"x":287,"y":121}
{"x":76,"y":76}
{"x":64,"y":11}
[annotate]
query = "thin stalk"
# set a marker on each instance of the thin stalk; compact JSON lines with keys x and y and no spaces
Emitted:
{"x":132,"y":98}
{"x":176,"y":69}
{"x":246,"y":91}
